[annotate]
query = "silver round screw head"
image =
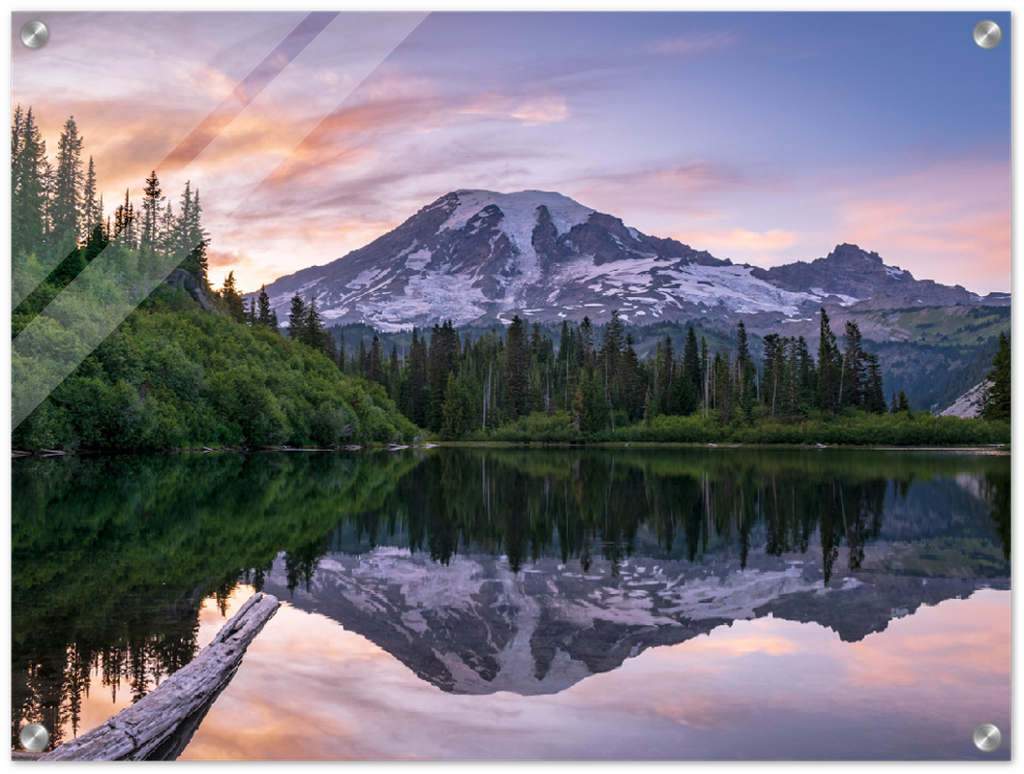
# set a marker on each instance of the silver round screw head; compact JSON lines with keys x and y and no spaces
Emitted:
{"x":987,"y":34}
{"x":34,"y":737}
{"x":987,"y":737}
{"x":35,"y":34}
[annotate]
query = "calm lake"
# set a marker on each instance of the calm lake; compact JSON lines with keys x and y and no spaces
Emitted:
{"x":686,"y":604}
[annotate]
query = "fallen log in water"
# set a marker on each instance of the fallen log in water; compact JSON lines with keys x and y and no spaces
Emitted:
{"x":160,"y":725}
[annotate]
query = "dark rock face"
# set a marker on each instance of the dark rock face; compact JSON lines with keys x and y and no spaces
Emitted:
{"x":853,"y":272}
{"x":179,"y":279}
{"x":480,"y":256}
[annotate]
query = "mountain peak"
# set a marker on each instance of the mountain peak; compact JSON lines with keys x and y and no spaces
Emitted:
{"x":849,"y":252}
{"x":519,"y":207}
{"x":479,"y":257}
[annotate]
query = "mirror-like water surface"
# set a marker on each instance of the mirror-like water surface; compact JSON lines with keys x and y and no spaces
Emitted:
{"x":499,"y":603}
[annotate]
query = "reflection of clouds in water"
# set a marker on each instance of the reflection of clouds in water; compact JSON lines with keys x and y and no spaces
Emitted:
{"x":757,"y":689}
{"x":936,"y":649}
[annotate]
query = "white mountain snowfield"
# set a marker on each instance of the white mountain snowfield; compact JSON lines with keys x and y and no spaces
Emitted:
{"x":498,"y":614}
{"x":476,"y":255}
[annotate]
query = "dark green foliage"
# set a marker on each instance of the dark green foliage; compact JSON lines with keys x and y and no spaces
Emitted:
{"x":829,"y":368}
{"x":64,"y":213}
{"x":297,"y":318}
{"x":179,"y":378}
{"x":265,"y":316}
{"x":996,"y":401}
{"x":232,"y":299}
{"x":517,"y":364}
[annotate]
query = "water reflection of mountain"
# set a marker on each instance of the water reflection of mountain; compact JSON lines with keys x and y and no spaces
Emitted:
{"x":475,"y":626}
{"x":111,"y":556}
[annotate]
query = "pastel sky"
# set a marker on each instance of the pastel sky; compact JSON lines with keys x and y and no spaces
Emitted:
{"x":764,"y":138}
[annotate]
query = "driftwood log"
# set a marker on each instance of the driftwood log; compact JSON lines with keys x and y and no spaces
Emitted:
{"x":161,"y":724}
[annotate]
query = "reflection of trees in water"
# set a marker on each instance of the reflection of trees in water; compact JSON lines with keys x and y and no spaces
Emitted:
{"x":133,"y":652}
{"x":153,"y":536}
{"x":597,"y":506}
{"x":996,"y":490}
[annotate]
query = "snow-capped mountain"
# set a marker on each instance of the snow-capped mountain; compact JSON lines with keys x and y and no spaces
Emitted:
{"x":477,"y":256}
{"x":475,"y":626}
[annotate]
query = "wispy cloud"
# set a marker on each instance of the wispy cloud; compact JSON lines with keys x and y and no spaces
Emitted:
{"x":771,"y":241}
{"x":935,"y":220}
{"x":531,"y":111}
{"x":689,"y":45}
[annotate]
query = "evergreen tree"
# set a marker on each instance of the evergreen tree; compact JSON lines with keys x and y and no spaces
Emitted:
{"x":591,"y":411}
{"x":233,"y":300}
{"x":995,"y":402}
{"x":745,"y":374}
{"x":92,"y":212}
{"x":517,"y":363}
{"x":691,"y":361}
{"x":874,"y":394}
{"x":453,"y":415}
{"x":152,"y":199}
{"x":903,"y":404}
{"x":361,"y":358}
{"x":828,"y":374}
{"x":190,"y":238}
{"x":375,"y":362}
{"x":417,"y":386}
{"x":854,"y":374}
{"x":313,"y":329}
{"x":665,"y":362}
{"x":611,"y":348}
{"x":633,"y":382}
{"x":330,"y":347}
{"x":774,"y":356}
{"x":723,"y":386}
{"x":28,"y":189}
{"x":265,"y":316}
{"x":297,"y":318}
{"x":586,"y":342}
{"x":67,"y":190}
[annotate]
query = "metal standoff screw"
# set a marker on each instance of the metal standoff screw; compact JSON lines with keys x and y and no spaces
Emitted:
{"x":34,"y":34}
{"x":987,"y":737}
{"x":987,"y":34}
{"x":34,"y":737}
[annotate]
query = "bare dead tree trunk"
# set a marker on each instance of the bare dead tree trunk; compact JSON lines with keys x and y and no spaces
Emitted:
{"x":158,"y":726}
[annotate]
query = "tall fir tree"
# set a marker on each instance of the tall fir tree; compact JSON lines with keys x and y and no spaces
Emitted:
{"x":233,"y":300}
{"x":517,"y":363}
{"x":995,"y":403}
{"x":67,"y":191}
{"x":313,"y":329}
{"x":828,"y":374}
{"x":297,"y":318}
{"x":375,"y":361}
{"x":28,"y":188}
{"x":92,"y":212}
{"x":265,"y":315}
{"x":745,"y":374}
{"x":152,"y":200}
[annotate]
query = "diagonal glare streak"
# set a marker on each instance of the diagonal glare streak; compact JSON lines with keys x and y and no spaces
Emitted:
{"x":50,"y":347}
{"x":231,"y":106}
{"x":246,"y":91}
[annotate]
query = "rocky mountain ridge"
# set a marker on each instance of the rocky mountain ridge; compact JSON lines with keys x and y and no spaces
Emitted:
{"x":474,"y":626}
{"x":479,"y":256}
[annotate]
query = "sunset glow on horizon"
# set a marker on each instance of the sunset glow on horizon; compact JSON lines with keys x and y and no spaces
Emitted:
{"x":763,"y":138}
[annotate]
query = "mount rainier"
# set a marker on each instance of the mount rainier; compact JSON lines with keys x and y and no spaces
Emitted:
{"x":479,"y":257}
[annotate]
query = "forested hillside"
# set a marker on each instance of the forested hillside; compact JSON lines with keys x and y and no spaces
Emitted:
{"x":181,"y":369}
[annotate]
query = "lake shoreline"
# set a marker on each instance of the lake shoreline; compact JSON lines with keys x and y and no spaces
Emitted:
{"x":998,"y":448}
